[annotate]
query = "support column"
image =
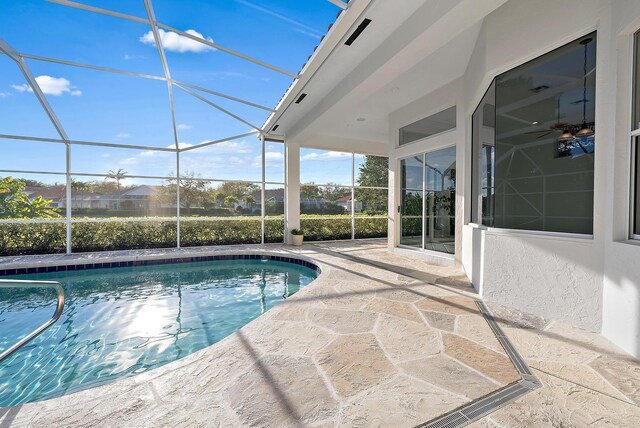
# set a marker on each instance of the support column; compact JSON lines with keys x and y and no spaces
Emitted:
{"x":69,"y":196}
{"x":263,"y":203}
{"x":393,"y":203}
{"x":292,"y":180}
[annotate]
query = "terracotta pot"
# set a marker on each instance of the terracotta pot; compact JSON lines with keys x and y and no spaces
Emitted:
{"x":297,"y":239}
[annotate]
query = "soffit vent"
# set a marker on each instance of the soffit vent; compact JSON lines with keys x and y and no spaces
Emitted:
{"x":300,"y":98}
{"x":352,"y":38}
{"x":275,"y":127}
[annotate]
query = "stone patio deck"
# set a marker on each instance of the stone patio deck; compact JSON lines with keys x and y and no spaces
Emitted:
{"x":376,"y":340}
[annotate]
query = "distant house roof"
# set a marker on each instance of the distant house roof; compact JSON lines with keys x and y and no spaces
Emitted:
{"x":344,"y":199}
{"x":48,"y":192}
{"x":57,"y":192}
{"x":143,"y":190}
{"x":269,"y":194}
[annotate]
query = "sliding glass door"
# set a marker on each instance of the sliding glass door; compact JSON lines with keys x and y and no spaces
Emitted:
{"x":427,"y":211}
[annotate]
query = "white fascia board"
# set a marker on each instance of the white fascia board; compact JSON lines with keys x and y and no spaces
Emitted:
{"x":340,"y":28}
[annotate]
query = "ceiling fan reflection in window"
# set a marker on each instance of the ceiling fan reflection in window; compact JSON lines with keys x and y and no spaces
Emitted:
{"x":575,"y":139}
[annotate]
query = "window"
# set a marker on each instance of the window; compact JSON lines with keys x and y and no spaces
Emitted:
{"x":533,"y":144}
{"x":429,"y":126}
{"x":635,"y":203}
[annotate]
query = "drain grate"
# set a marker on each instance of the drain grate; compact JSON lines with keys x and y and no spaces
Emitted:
{"x":482,"y":407}
{"x":451,"y":420}
{"x":494,"y":402}
{"x":516,"y":359}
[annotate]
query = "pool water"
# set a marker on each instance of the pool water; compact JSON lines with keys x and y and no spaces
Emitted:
{"x":123,"y":321}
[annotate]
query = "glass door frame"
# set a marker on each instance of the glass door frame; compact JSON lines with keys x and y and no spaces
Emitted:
{"x":424,"y":222}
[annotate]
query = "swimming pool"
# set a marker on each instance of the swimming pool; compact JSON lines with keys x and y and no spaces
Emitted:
{"x":123,"y":321}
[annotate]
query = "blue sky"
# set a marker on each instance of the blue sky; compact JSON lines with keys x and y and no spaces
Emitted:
{"x":106,"y":107}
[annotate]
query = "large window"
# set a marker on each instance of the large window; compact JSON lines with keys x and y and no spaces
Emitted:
{"x":343,"y":195}
{"x":635,"y":203}
{"x":428,"y":200}
{"x":442,"y":121}
{"x":534,"y":144}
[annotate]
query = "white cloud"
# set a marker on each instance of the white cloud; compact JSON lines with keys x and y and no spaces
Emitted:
{"x":123,"y":135}
{"x":50,"y":86}
{"x":222,"y":160}
{"x":53,"y":85}
{"x":314,"y":156}
{"x":272,"y":159}
{"x":21,"y":88}
{"x":5,"y":94}
{"x":183,"y":127}
{"x":176,"y":43}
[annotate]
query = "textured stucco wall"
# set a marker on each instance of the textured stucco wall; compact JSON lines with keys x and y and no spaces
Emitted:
{"x":556,"y":279}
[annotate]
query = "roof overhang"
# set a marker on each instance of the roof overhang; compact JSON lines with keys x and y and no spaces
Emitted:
{"x":404,"y":53}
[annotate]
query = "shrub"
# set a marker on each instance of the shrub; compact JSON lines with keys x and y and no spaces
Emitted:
{"x":371,"y":227}
{"x":411,"y":226}
{"x":222,"y":232}
{"x":326,"y":229}
{"x":120,"y":235}
{"x":274,"y":231}
{"x":32,"y":238}
{"x":23,"y":238}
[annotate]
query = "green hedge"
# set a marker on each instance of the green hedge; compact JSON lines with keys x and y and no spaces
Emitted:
{"x":229,"y":232}
{"x":371,"y":227}
{"x":225,"y":232}
{"x":412,"y":227}
{"x":274,"y":231}
{"x":120,"y":235}
{"x":328,"y":229}
{"x":32,"y":238}
{"x":49,"y":238}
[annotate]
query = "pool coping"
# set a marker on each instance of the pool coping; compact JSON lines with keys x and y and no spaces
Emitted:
{"x":24,"y":265}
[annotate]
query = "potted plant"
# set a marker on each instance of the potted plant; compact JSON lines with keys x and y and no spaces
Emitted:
{"x":298,"y":236}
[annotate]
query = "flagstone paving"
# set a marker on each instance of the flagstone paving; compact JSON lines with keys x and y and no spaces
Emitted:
{"x":376,"y":340}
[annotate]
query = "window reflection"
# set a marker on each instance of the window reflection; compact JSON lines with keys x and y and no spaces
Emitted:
{"x":534,"y":142}
{"x":429,"y":126}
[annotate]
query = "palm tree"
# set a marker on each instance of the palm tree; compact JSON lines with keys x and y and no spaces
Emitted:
{"x":118,"y":175}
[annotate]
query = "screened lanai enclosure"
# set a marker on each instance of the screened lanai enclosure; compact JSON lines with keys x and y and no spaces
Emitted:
{"x":139,"y":124}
